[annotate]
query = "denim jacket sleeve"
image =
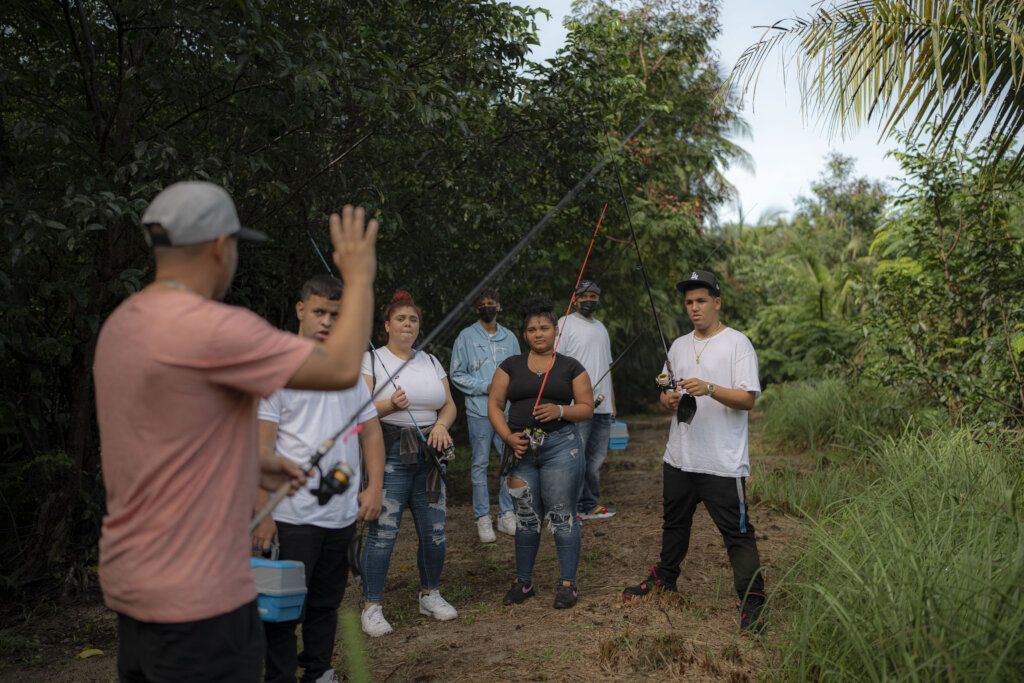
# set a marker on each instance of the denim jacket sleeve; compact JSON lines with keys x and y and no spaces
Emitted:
{"x":460,"y":370}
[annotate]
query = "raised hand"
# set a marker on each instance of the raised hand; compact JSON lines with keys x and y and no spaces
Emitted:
{"x":355,"y":244}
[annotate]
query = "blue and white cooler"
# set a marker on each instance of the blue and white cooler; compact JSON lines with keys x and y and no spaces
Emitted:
{"x":282,"y":588}
{"x":618,"y":436}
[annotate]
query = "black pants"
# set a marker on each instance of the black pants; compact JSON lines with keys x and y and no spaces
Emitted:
{"x":228,"y":647}
{"x":682,"y":492}
{"x":325,"y":554}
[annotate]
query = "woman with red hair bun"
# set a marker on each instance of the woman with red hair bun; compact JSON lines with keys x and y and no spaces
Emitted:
{"x":413,"y":403}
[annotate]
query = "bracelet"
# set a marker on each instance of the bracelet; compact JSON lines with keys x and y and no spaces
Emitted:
{"x":561,"y":412}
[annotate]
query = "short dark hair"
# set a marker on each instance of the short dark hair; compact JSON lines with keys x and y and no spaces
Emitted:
{"x":537,"y":306}
{"x":327,"y":286}
{"x":486,"y":293}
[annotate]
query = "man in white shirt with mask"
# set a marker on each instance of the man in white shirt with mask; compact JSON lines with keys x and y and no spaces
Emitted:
{"x":585,"y":338}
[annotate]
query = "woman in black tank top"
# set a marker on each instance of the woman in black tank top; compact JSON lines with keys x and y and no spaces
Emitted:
{"x":545,"y":478}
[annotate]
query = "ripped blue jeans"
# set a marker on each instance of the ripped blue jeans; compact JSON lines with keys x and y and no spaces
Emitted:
{"x":405,"y":485}
{"x":552,"y":476}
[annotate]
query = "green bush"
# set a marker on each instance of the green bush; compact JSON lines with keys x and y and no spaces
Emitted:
{"x":921,"y":574}
{"x":833,"y":413}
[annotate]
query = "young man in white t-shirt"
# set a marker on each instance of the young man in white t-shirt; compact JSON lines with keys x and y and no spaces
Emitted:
{"x":294,"y":423}
{"x":584,"y":337}
{"x":706,"y":460}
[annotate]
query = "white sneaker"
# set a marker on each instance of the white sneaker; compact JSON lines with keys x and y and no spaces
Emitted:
{"x":374,"y":623}
{"x":484,"y":529}
{"x":507,"y":523}
{"x":327,"y":677}
{"x":433,"y":605}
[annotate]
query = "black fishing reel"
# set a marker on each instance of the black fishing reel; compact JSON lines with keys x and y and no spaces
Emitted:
{"x":334,"y":483}
{"x":687,"y":404}
{"x":597,"y":401}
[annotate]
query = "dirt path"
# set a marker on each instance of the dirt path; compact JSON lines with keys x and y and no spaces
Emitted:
{"x":694,"y":636}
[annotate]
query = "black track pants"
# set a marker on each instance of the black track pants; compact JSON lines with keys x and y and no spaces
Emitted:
{"x":325,"y":554}
{"x":682,"y":491}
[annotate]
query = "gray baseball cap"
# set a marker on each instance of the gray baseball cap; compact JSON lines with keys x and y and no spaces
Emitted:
{"x":191,"y":212}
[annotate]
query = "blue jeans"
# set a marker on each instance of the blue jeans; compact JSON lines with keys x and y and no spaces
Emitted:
{"x":595,"y":433}
{"x":552,"y":477}
{"x":481,"y":435}
{"x":405,"y":485}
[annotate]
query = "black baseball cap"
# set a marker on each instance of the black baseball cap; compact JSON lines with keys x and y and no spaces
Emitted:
{"x":588,"y":286}
{"x":701,"y":278}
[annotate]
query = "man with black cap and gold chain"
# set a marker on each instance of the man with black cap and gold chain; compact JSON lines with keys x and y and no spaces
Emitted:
{"x":706,"y":460}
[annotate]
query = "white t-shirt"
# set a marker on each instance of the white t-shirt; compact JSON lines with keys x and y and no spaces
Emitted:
{"x":716,"y":441}
{"x":420,"y":379}
{"x":587,"y":341}
{"x":304,"y":419}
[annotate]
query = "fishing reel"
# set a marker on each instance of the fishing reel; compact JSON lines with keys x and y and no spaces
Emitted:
{"x":597,"y":401}
{"x":447,"y":453}
{"x":536,"y":436}
{"x":334,"y":483}
{"x":687,"y":404}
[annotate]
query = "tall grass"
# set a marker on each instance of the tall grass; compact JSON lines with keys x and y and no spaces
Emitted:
{"x":920,"y":575}
{"x":832,"y":413}
{"x":805,"y":492}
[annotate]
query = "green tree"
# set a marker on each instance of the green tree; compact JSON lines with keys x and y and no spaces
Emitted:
{"x":953,"y":63}
{"x":803,"y":279}
{"x":947,"y":301}
{"x":428,"y":113}
{"x":294,"y":108}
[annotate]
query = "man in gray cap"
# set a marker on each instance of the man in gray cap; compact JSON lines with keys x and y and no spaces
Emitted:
{"x":178,"y":375}
{"x":585,"y":338}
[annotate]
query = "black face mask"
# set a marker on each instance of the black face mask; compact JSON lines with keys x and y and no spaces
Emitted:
{"x":487,"y":313}
{"x":587,"y":308}
{"x":687,"y":409}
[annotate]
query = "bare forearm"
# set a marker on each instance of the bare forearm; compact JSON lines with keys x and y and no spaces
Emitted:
{"x":348,"y":337}
{"x":372,"y":442}
{"x":737,"y":399}
{"x":447,"y":414}
{"x":578,"y":412}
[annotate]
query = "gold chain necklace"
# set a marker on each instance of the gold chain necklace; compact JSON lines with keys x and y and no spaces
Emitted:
{"x":707,"y":341}
{"x":177,"y":285}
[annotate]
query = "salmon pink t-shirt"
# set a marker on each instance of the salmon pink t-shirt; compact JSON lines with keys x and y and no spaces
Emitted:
{"x":177,"y":379}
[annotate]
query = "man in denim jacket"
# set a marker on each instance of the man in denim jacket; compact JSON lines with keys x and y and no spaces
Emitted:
{"x":477,"y":352}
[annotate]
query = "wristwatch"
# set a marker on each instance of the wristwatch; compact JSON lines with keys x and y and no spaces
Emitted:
{"x":711,"y":389}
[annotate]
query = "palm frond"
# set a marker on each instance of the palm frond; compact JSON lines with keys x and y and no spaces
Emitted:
{"x":955,"y":67}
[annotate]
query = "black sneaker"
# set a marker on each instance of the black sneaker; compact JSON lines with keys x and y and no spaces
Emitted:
{"x":518,"y":594}
{"x":649,"y":584}
{"x":752,"y":615}
{"x":566,"y":596}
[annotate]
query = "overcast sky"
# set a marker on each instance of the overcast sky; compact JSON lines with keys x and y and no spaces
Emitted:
{"x":788,"y":152}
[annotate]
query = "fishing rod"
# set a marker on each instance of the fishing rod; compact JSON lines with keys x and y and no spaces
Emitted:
{"x":666,"y":380}
{"x":597,"y":401}
{"x":440,"y":327}
{"x":536,"y":434}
